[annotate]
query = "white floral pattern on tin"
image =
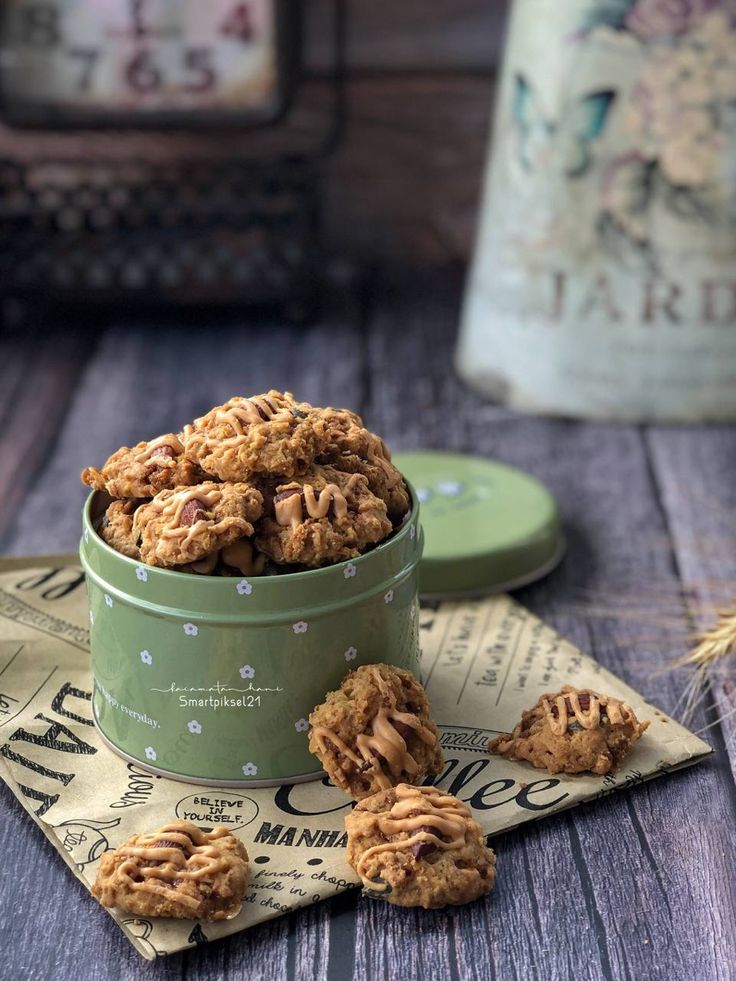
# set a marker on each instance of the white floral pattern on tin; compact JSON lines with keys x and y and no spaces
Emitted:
{"x":449,"y":488}
{"x":413,"y":532}
{"x":146,"y":657}
{"x":301,"y":725}
{"x":250,"y":769}
{"x":194,"y":727}
{"x":191,"y":629}
{"x":351,"y":653}
{"x":108,"y":599}
{"x":350,"y":570}
{"x":86,"y":534}
{"x":91,"y":618}
{"x":244,"y":588}
{"x":150,"y":753}
{"x":300,"y":627}
{"x":412,"y":612}
{"x":141,"y":574}
{"x":247,"y":671}
{"x":389,"y":596}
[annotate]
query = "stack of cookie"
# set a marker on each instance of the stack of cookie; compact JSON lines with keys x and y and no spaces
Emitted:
{"x":260,"y":484}
{"x":411,"y":845}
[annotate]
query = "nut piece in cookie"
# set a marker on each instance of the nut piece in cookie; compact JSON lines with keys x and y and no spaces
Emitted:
{"x":417,"y":846}
{"x":351,"y":448}
{"x":176,"y":871}
{"x":323,"y":517}
{"x":145,"y":469}
{"x":375,"y":731}
{"x":261,"y":435}
{"x":116,"y":527}
{"x":186,"y":524}
{"x":573,"y":731}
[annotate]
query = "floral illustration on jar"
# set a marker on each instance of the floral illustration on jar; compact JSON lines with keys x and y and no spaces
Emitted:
{"x":680,"y":118}
{"x":661,"y":177}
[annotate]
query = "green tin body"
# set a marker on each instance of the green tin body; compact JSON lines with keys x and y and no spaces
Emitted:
{"x":211,"y":679}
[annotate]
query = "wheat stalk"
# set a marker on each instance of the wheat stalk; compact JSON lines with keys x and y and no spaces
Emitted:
{"x":712,"y":646}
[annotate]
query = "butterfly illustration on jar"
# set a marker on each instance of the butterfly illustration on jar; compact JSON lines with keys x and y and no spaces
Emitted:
{"x":551,"y":145}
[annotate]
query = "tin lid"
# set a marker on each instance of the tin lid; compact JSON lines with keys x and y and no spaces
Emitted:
{"x":488,"y":527}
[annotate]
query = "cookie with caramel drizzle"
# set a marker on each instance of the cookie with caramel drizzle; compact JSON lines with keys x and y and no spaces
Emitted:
{"x":573,"y":731}
{"x":116,"y":527}
{"x":186,"y":524}
{"x":351,"y":448}
{"x":418,"y":846}
{"x":145,"y":469}
{"x":177,"y":871}
{"x":375,"y":731}
{"x":270,"y":434}
{"x":322,"y":517}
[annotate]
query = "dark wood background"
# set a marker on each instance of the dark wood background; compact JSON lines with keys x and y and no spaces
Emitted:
{"x":639,"y":885}
{"x":405,"y":179}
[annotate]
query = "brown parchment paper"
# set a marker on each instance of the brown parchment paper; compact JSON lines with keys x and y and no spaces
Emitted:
{"x":483,"y":662}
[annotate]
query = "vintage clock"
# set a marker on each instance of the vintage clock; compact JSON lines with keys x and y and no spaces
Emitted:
{"x":147,"y":62}
{"x":242,"y":223}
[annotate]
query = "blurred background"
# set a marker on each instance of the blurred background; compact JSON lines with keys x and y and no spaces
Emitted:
{"x":154,"y":263}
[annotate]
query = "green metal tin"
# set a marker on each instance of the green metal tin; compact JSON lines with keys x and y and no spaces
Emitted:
{"x":211,"y":679}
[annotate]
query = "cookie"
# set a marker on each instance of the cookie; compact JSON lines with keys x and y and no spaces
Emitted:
{"x":186,"y":524}
{"x":573,"y":731}
{"x":176,"y":871}
{"x":351,"y":448}
{"x":238,"y":559}
{"x":375,"y":731}
{"x":262,"y":435}
{"x":417,"y":846}
{"x":145,"y":469}
{"x":116,"y":527}
{"x":323,"y":517}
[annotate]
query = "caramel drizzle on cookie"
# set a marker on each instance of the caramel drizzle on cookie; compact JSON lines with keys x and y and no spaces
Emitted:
{"x":567,"y":709}
{"x":178,"y":851}
{"x":257,"y":409}
{"x":379,"y":455}
{"x":423,"y":814}
{"x":289,"y":511}
{"x":170,"y":510}
{"x":385,"y":741}
{"x":153,"y":448}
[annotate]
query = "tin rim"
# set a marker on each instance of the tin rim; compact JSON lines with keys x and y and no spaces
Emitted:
{"x":411,"y":519}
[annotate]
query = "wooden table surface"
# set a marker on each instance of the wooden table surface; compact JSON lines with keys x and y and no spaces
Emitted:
{"x":638,"y":885}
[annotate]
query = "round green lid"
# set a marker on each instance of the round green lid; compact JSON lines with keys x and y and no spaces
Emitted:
{"x":488,"y":527}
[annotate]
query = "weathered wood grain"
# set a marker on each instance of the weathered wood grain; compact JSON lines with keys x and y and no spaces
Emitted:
{"x":636,"y":885}
{"x":152,"y":378}
{"x":383,"y":36}
{"x":36,"y":383}
{"x":696,"y":484}
{"x":616,"y":876}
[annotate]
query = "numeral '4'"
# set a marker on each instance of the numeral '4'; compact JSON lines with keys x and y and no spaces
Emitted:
{"x":239,"y":23}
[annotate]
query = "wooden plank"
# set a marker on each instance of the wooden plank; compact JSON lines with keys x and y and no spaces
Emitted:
{"x":37,"y":380}
{"x":147,"y":379}
{"x":619,"y":876}
{"x":694,"y":468}
{"x":461,"y":35}
{"x":406,"y":183}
